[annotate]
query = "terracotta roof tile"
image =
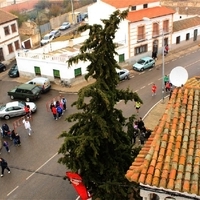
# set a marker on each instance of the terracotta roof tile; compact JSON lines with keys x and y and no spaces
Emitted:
{"x":6,"y":17}
{"x":154,"y":12}
{"x":172,"y":159}
{"x":127,"y":3}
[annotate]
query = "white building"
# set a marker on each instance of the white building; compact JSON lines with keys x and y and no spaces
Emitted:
{"x":9,"y":36}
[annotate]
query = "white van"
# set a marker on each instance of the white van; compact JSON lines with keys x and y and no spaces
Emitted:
{"x":42,"y":82}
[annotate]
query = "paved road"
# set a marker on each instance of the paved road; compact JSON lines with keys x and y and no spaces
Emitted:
{"x":35,"y":172}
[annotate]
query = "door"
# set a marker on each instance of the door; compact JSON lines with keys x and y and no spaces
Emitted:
{"x":121,"y":58}
{"x":27,"y":44}
{"x":195,"y":35}
{"x":56,"y":73}
{"x":37,"y":70}
{"x":1,"y":55}
{"x":77,"y":72}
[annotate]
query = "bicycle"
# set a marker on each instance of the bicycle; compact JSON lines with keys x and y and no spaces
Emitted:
{"x":65,"y":83}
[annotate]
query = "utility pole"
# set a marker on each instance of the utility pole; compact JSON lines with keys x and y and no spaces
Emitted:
{"x":72,"y":5}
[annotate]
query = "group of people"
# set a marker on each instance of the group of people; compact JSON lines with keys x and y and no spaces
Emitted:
{"x":140,"y":130}
{"x":58,"y":108}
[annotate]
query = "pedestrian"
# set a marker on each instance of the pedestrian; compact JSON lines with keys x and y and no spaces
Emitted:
{"x":59,"y":111}
{"x":142,"y":138}
{"x":54,"y":111}
{"x":170,"y":94}
{"x":1,"y":145}
{"x":5,"y":144}
{"x":166,"y":50}
{"x":64,"y":101}
{"x":153,"y":89}
{"x":137,"y":106}
{"x":27,"y":110}
{"x":27,"y":126}
{"x":140,"y":123}
{"x":4,"y":165}
{"x":166,"y":79}
{"x":167,"y":87}
{"x":17,"y":140}
{"x":5,"y":130}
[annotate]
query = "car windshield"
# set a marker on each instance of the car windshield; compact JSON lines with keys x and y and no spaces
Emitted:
{"x":14,"y":67}
{"x":2,"y":107}
{"x":141,"y":61}
{"x":65,"y":23}
{"x":35,"y":90}
{"x":46,"y":37}
{"x":21,"y":103}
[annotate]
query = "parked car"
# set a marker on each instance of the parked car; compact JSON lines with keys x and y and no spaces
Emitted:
{"x":123,"y":74}
{"x":84,"y":15}
{"x":64,"y":26}
{"x":2,"y":67}
{"x":14,"y":72}
{"x":25,"y":91}
{"x":55,"y":33}
{"x":46,"y":39}
{"x":144,"y":63}
{"x":42,"y":82}
{"x":15,"y":108}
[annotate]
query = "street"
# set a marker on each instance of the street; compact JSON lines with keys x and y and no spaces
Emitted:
{"x":35,"y":173}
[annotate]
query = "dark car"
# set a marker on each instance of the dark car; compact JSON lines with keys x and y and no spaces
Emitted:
{"x":2,"y":67}
{"x":14,"y":72}
{"x":25,"y":91}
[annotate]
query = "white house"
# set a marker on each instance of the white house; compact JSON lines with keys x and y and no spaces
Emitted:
{"x":9,"y":36}
{"x":138,"y":36}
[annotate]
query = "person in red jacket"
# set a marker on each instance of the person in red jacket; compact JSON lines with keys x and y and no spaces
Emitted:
{"x":54,"y":111}
{"x":153,"y":89}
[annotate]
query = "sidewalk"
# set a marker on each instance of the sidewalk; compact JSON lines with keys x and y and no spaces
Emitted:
{"x":171,"y":56}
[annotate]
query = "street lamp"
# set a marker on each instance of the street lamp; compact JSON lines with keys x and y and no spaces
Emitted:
{"x":163,"y":58}
{"x":72,"y":5}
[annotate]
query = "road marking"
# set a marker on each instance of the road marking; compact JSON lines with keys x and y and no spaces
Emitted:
{"x":12,"y":191}
{"x":160,"y":78}
{"x":150,"y":83}
{"x":142,"y":87}
{"x":132,"y":76}
{"x":41,"y":166}
{"x":142,"y":73}
{"x":136,"y":90}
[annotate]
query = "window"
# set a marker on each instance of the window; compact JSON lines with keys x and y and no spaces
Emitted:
{"x":166,"y":26}
{"x":187,"y":36}
{"x":13,"y":27}
{"x":178,"y":39}
{"x":133,"y":7}
{"x":77,"y":72}
{"x":145,"y":6}
{"x":6,"y":30}
{"x":141,"y":35}
{"x":56,"y":73}
{"x":141,"y":49}
{"x":16,"y":44}
{"x":10,"y":48}
{"x":155,"y":29}
{"x":166,"y":41}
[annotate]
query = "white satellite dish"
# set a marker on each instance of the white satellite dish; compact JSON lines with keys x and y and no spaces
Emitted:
{"x":178,"y":76}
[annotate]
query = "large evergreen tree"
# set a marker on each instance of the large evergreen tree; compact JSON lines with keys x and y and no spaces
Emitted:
{"x":97,"y":146}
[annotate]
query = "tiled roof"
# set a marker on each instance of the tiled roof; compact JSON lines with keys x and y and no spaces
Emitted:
{"x":170,"y":159}
{"x":186,"y":23}
{"x":126,"y":3}
{"x":24,"y":6}
{"x":6,"y":17}
{"x":154,"y":12}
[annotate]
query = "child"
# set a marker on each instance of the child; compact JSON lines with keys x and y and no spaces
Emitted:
{"x":5,"y":144}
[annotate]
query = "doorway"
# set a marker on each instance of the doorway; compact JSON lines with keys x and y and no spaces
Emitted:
{"x":155,"y":49}
{"x":1,"y":55}
{"x":195,"y":35}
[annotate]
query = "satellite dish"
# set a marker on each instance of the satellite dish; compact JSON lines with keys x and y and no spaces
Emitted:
{"x":178,"y":76}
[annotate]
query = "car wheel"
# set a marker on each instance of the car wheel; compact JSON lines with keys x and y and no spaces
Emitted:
{"x":27,"y":99}
{"x":4,"y":69}
{"x":126,"y":77}
{"x":12,"y":97}
{"x":142,"y":69}
{"x":7,"y":117}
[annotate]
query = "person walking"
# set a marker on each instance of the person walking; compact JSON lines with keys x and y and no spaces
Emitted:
{"x":54,"y":111}
{"x":64,"y":101}
{"x":5,"y":144}
{"x":166,"y":79}
{"x":59,"y":111}
{"x":17,"y":140}
{"x":5,"y":130}
{"x":27,"y":126}
{"x":140,"y":123}
{"x":167,"y":87}
{"x":4,"y":165}
{"x":153,"y":89}
{"x":27,"y":110}
{"x":137,"y":106}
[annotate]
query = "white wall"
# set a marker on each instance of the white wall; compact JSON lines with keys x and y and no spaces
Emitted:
{"x":178,"y":17}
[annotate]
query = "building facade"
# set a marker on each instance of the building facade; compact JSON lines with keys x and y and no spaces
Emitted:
{"x":9,"y":36}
